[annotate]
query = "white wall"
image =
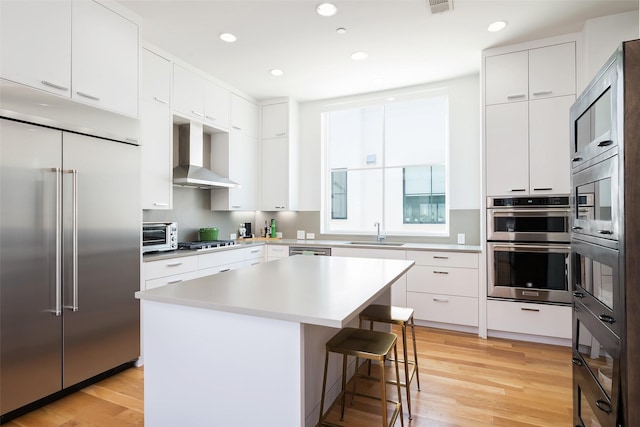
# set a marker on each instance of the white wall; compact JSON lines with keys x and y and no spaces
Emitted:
{"x":601,"y":37}
{"x":464,"y":127}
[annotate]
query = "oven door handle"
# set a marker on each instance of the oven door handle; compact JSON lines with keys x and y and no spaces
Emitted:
{"x":537,"y":248}
{"x":540,"y":212}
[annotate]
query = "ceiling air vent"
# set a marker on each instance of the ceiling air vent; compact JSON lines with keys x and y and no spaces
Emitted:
{"x":439,"y":6}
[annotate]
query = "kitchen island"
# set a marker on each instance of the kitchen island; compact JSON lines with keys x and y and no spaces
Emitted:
{"x":246,"y":347}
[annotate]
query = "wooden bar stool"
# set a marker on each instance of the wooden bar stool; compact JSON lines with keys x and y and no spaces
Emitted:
{"x":370,"y":345}
{"x":402,"y":316}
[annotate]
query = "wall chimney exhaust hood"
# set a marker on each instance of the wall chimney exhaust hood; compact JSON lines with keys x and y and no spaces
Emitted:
{"x":190,"y":171}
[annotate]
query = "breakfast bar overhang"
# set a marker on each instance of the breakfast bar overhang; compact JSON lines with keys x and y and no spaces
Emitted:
{"x":246,"y":347}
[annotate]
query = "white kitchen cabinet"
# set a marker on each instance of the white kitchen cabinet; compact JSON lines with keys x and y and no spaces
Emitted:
{"x":220,"y":262}
{"x":35,"y":44}
{"x":443,"y":287}
{"x":399,"y":288}
{"x":279,"y":158}
{"x":527,"y":318}
{"x":244,"y":116}
{"x":543,"y":72}
{"x":507,"y":148}
{"x":105,"y":48}
{"x":155,"y":133}
{"x":171,"y":270}
{"x":195,"y":97}
{"x":216,"y":105}
{"x":549,"y":157}
{"x":254,"y":255}
{"x":552,"y":71}
{"x":236,"y":155}
{"x":275,"y":120}
{"x":506,"y":78}
{"x":78,"y":49}
{"x":276,"y":252}
{"x":527,"y":147}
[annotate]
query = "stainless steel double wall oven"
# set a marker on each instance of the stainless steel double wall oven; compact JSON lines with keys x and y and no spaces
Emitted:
{"x":528,"y":248}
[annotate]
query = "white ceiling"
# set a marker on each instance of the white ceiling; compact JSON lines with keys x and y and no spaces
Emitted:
{"x":407,"y":45}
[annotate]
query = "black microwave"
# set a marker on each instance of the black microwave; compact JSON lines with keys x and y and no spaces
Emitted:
{"x":159,"y":236}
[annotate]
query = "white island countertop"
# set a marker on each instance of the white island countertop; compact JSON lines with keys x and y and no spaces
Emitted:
{"x":323,"y":291}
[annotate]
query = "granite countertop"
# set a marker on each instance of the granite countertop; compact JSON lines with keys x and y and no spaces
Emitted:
{"x":325,"y":291}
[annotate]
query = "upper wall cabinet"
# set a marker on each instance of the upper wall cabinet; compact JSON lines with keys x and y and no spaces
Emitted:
{"x":236,"y":155}
{"x":35,"y":44}
{"x":76,"y":49}
{"x":195,"y":97}
{"x":543,"y":72}
{"x":279,"y":157}
{"x":155,"y":126}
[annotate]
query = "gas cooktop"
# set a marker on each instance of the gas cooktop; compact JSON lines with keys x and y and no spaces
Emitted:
{"x":199,"y":246}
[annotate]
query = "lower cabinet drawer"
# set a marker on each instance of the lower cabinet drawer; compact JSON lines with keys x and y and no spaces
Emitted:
{"x":156,"y":283}
{"x":254,"y":252}
{"x":534,"y":319}
{"x":169,"y":267}
{"x":452,"y":309}
{"x":443,"y":280}
{"x":220,"y":269}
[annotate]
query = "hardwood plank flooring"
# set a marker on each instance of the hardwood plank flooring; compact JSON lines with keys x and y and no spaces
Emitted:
{"x":465,"y":381}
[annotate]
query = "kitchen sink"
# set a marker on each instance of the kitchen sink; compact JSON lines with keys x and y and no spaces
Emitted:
{"x":377,"y":243}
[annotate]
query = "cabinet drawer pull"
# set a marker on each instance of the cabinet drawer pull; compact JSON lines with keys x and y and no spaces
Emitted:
{"x":160,"y":204}
{"x":576,"y":227}
{"x":576,"y":159}
{"x":440,"y":257}
{"x":578,"y":294}
{"x":160,"y":100}
{"x":516,"y":96}
{"x":175,"y":264}
{"x":53,"y":85}
{"x":604,"y":406}
{"x":224,"y":270}
{"x":440,"y":272}
{"x":609,"y":232}
{"x":255,"y":251}
{"x":235,"y":206}
{"x":213,"y":119}
{"x":542,"y":92}
{"x":255,"y":263}
{"x":88,"y":95}
{"x":543,"y":189}
{"x":279,"y":207}
{"x":529,"y":309}
{"x":441,"y":299}
{"x":605,"y":143}
{"x":518,"y":189}
{"x":607,"y":318}
{"x":197,"y":113}
{"x":281,"y":134}
{"x":576,"y":361}
{"x":236,"y":127}
{"x":174,"y":281}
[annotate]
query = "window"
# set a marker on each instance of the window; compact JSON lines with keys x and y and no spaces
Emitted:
{"x":387,"y":163}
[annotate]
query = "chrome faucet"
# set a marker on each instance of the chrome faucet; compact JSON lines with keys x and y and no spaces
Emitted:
{"x":380,"y":236}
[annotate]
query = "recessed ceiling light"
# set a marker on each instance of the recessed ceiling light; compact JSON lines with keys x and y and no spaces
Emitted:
{"x":497,"y":26}
{"x":341,"y":30}
{"x":326,"y":9}
{"x":276,"y":72}
{"x":228,"y":37}
{"x":358,"y":56}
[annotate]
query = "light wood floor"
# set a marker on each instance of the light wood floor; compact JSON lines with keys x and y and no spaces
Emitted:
{"x":465,"y":381}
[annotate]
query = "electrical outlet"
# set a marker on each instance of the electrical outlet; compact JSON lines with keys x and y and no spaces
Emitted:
{"x":461,"y":238}
{"x":300,"y":234}
{"x":311,"y":235}
{"x":232,"y":236}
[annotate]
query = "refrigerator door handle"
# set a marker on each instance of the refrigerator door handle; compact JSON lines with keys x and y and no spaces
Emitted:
{"x":58,"y":310}
{"x":74,"y":236}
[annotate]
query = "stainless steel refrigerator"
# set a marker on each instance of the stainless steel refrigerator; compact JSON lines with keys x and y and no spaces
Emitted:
{"x":69,"y":259}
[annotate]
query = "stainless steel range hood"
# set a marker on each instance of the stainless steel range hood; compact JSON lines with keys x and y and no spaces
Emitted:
{"x":190,"y":171}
